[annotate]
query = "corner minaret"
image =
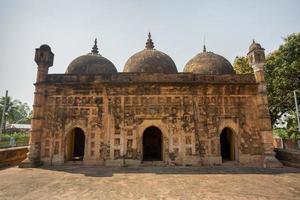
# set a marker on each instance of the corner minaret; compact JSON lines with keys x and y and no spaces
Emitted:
{"x":256,"y":59}
{"x":44,"y":59}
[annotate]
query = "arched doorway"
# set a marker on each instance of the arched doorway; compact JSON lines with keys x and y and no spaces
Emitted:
{"x":152,"y":144}
{"x":75,"y":145}
{"x":227,"y":144}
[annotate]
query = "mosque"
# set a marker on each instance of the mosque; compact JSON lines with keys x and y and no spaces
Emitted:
{"x":150,"y":114}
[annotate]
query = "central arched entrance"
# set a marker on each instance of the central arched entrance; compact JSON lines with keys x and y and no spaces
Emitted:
{"x":152,"y":144}
{"x":75,"y":145}
{"x":227,"y":145}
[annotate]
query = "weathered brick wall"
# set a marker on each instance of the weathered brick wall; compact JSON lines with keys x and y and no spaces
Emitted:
{"x":288,"y":157}
{"x":277,"y":142}
{"x":290,"y":144}
{"x":114,"y":110}
{"x":286,"y":143}
{"x":12,"y":156}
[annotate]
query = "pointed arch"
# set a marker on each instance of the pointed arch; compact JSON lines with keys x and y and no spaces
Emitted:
{"x":152,"y":144}
{"x":75,"y":145}
{"x":228,"y":147}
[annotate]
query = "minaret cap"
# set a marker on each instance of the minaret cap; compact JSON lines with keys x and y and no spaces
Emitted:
{"x":44,"y":55}
{"x":255,"y":46}
{"x":149,"y":43}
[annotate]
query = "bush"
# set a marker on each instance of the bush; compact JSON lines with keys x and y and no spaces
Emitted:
{"x":280,"y":132}
{"x":21,"y":139}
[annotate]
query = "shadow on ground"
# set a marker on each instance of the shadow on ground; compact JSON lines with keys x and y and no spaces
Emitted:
{"x":96,"y":171}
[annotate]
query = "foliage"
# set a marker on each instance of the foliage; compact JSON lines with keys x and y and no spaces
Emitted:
{"x":16,"y":111}
{"x":286,"y":126}
{"x":21,"y":139}
{"x":292,"y":127}
{"x":17,"y":136}
{"x":289,"y":127}
{"x":241,"y":65}
{"x":282,"y":71}
{"x":280,"y":132}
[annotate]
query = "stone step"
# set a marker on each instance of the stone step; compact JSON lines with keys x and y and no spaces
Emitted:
{"x":153,"y":163}
{"x":72,"y":163}
{"x":230,"y":163}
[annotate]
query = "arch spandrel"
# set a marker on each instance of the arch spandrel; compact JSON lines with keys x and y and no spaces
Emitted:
{"x":228,"y":123}
{"x":71,"y":126}
{"x":156,"y":123}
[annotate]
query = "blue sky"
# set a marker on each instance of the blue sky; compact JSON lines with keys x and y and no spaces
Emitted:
{"x":177,"y":27}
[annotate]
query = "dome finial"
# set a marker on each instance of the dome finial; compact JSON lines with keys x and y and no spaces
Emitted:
{"x":149,"y":43}
{"x":204,"y":47}
{"x":95,"y":47}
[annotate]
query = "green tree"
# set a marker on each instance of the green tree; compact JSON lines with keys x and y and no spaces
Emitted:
{"x":287,"y":127}
{"x":16,"y":111}
{"x":241,"y":65}
{"x":282,"y":72}
{"x":280,"y":132}
{"x":291,"y":126}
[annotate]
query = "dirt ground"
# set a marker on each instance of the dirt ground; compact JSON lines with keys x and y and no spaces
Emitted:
{"x":80,"y":182}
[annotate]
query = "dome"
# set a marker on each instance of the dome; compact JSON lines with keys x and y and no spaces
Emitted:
{"x":91,"y":63}
{"x":150,"y":60}
{"x":209,"y":63}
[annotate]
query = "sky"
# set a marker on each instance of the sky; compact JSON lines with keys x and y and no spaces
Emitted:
{"x":178,"y":29}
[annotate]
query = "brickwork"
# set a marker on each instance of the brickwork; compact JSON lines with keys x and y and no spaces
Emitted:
{"x":12,"y":156}
{"x":114,"y":117}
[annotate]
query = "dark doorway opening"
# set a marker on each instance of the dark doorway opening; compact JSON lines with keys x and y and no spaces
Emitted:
{"x":79,"y":141}
{"x":152,"y":144}
{"x":227,"y":145}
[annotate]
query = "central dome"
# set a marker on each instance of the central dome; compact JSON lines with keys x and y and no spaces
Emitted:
{"x":209,"y":63}
{"x":150,"y":60}
{"x":91,"y":63}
